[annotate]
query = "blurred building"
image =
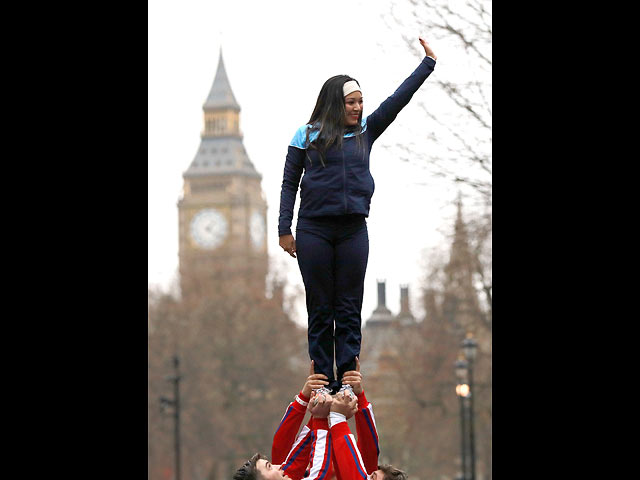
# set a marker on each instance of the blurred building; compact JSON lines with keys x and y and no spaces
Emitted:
{"x":407,"y":365}
{"x":460,"y":304}
{"x":222,"y":210}
{"x":383,"y":334}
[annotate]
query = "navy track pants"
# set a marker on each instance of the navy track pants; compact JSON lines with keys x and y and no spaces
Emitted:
{"x":332,"y":255}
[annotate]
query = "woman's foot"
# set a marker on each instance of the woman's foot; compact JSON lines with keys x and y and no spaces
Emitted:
{"x":348,"y":389}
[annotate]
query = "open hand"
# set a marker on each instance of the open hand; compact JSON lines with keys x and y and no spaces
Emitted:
{"x":354,"y":378}
{"x":427,"y":49}
{"x":314,"y":381}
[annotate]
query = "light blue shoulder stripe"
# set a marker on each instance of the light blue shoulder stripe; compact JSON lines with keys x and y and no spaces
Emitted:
{"x":300,"y":136}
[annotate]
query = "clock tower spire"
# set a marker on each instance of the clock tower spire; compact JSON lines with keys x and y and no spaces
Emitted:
{"x":222,"y":211}
{"x":221,"y":109}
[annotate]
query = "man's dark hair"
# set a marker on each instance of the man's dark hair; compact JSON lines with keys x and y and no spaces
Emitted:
{"x":248,"y":471}
{"x":392,"y":473}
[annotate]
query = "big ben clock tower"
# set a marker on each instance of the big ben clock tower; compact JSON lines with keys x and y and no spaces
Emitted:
{"x":222,"y":212}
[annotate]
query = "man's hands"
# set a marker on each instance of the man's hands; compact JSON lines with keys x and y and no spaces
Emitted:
{"x":354,"y":378}
{"x":288,"y":244}
{"x":314,"y":381}
{"x":427,"y":49}
{"x":344,"y":404}
{"x":320,"y":404}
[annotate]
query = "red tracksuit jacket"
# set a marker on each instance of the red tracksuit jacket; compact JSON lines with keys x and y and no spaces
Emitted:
{"x":347,"y":456}
{"x":311,"y":447}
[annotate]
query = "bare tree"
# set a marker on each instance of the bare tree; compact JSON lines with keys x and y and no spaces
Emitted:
{"x":242,"y":360}
{"x":413,"y":389}
{"x":480,"y":235}
{"x":461,"y":33}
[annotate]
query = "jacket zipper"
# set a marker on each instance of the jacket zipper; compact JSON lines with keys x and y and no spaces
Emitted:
{"x":344,"y":177}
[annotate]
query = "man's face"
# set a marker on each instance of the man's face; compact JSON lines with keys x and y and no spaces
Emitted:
{"x":272,"y":472}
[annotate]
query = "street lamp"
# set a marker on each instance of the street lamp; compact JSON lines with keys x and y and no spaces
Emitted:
{"x":175,"y":403}
{"x":462,"y":390}
{"x":461,"y":369}
{"x":470,"y":348}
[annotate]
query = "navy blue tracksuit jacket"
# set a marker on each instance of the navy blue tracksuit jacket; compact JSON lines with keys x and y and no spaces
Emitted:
{"x":331,"y":236}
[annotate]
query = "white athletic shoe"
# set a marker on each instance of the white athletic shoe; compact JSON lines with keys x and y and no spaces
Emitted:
{"x":348,"y":389}
{"x":323,"y":390}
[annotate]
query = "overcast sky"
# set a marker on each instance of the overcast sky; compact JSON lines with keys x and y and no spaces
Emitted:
{"x":277,"y":56}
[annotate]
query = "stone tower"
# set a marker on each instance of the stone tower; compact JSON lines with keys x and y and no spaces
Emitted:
{"x":222,"y":211}
{"x":460,"y":305}
{"x":405,"y":317}
{"x":376,"y":333}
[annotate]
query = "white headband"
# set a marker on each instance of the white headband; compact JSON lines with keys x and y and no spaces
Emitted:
{"x":350,"y":87}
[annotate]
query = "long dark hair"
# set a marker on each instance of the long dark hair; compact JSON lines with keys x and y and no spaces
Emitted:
{"x":328,"y":117}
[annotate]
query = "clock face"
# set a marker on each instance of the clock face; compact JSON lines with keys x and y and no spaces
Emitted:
{"x":257,"y":229}
{"x":209,"y":228}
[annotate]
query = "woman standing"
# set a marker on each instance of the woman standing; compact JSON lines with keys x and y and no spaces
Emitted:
{"x":331,"y":154}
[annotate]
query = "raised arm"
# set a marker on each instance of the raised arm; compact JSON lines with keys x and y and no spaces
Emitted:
{"x":365,"y":421}
{"x":295,"y":465}
{"x":285,"y":440}
{"x":386,"y":113}
{"x":320,"y":459}
{"x":347,"y":455}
